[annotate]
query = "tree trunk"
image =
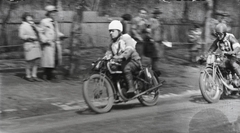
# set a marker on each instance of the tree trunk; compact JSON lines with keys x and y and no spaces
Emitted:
{"x":5,"y":20}
{"x":4,"y":34}
{"x":93,"y":5}
{"x":185,"y":12}
{"x":207,"y":28}
{"x":96,"y":5}
{"x":55,"y":2}
{"x":58,"y":4}
{"x":75,"y":32}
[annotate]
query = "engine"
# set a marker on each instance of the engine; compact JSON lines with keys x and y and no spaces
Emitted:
{"x":115,"y":67}
{"x":236,"y":82}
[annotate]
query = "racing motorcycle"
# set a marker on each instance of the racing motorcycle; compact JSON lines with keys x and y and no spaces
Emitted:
{"x":107,"y":86}
{"x":217,"y":81}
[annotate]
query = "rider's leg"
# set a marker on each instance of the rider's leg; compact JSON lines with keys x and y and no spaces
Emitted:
{"x":129,"y":68}
{"x":235,"y":66}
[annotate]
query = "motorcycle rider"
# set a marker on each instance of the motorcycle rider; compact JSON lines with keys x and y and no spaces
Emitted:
{"x":122,"y":49}
{"x":228,"y":44}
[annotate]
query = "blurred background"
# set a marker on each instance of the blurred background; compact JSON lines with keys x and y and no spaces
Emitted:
{"x":85,"y":24}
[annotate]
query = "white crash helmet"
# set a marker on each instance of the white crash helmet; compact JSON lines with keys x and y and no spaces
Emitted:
{"x":221,"y":28}
{"x":115,"y":25}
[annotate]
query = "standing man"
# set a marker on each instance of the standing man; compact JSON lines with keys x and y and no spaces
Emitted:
{"x":154,"y":45}
{"x":52,"y":50}
{"x":195,"y":37}
{"x":126,"y":19}
{"x":138,"y":29}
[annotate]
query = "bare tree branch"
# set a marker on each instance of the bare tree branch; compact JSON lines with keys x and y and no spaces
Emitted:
{"x":1,"y":6}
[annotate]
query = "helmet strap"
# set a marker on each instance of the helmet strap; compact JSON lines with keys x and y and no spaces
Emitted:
{"x":224,"y":35}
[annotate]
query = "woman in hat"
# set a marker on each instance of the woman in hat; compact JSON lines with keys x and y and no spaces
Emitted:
{"x":30,"y":34}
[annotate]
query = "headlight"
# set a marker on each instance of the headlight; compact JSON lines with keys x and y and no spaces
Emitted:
{"x":218,"y":60}
{"x":210,"y":59}
{"x":97,"y":65}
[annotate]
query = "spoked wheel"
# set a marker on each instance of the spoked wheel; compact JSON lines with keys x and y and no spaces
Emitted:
{"x":151,"y":97}
{"x":210,"y":88}
{"x":98,"y":93}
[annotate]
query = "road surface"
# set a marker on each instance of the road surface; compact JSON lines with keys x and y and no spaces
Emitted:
{"x":178,"y":114}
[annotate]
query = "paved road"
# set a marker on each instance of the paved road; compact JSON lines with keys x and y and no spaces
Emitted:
{"x":180,"y":114}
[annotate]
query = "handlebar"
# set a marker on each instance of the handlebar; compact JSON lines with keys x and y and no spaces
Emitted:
{"x":221,"y":54}
{"x":229,"y":54}
{"x":110,"y":60}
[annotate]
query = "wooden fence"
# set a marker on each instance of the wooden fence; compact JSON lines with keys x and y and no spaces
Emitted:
{"x":12,"y":32}
{"x":95,"y":34}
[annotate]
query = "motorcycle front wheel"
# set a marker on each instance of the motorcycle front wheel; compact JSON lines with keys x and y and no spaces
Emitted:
{"x":210,"y":87}
{"x":98,"y":93}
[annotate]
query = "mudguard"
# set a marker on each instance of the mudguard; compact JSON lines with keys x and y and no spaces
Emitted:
{"x":149,"y":74}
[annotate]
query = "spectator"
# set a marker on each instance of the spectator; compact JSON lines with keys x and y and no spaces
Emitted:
{"x":138,"y":28}
{"x":126,"y":19}
{"x":155,"y":47}
{"x":52,"y":50}
{"x":29,"y":33}
{"x":195,"y":37}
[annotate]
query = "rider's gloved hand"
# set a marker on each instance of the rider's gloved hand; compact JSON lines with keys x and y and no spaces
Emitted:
{"x":117,"y":60}
{"x":229,"y":53}
{"x":107,"y":57}
{"x":202,"y":59}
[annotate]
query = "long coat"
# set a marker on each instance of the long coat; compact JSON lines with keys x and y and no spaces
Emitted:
{"x":156,"y":31}
{"x":32,"y":49}
{"x":138,"y":27}
{"x":52,"y":33}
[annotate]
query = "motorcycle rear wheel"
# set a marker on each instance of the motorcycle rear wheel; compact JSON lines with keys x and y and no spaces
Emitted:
{"x":150,"y":98}
{"x":211,"y":92}
{"x":97,"y":87}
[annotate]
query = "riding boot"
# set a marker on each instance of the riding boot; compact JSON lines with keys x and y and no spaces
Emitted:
{"x":129,"y":79}
{"x":236,"y":68}
{"x":237,"y":71}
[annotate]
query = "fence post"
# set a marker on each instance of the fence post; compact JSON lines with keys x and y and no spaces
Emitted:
{"x":207,"y":30}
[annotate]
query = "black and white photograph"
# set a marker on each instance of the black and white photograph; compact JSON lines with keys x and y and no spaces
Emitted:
{"x":119,"y":66}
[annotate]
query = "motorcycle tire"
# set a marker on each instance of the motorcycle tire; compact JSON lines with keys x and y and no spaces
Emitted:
{"x":203,"y":85}
{"x":109,"y":93}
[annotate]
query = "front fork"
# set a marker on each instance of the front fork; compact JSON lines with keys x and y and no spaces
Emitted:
{"x":214,"y":75}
